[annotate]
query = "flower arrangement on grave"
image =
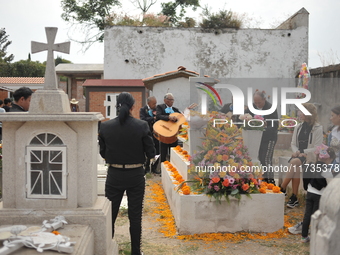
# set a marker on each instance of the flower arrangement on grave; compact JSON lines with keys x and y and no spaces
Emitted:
{"x":287,"y":123}
{"x":222,"y":167}
{"x":183,"y":132}
{"x":197,"y":120}
{"x":252,"y":123}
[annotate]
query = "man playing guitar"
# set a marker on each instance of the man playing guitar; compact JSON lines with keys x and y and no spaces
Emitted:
{"x":162,"y":113}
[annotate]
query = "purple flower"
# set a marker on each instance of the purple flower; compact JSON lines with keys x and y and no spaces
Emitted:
{"x":234,"y":186}
{"x":213,"y":174}
{"x":216,"y":188}
{"x":231,"y":179}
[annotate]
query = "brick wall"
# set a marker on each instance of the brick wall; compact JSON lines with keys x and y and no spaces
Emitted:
{"x":3,"y":94}
{"x":96,"y":102}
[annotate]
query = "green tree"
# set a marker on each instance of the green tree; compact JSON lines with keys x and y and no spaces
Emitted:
{"x":27,"y":68}
{"x":221,"y":19}
{"x":60,"y":60}
{"x":143,"y":5}
{"x":170,"y":9}
{"x":4,"y":43}
{"x":91,"y":15}
{"x":94,"y":15}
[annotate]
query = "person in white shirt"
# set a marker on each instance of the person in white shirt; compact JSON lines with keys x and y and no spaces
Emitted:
{"x":334,"y":135}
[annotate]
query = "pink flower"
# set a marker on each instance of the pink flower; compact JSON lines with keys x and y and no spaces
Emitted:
{"x":258,"y":117}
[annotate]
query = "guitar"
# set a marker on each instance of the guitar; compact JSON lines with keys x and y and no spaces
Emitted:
{"x":166,"y":131}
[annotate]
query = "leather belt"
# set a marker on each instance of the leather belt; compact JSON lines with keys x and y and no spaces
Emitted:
{"x":126,"y":165}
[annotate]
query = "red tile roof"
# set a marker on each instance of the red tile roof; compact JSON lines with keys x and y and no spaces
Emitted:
{"x":114,"y":83}
{"x":180,"y":69}
{"x":22,"y":80}
{"x":180,"y":72}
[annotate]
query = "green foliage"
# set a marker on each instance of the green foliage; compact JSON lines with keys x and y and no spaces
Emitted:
{"x":26,"y":68}
{"x":188,"y":22}
{"x":60,"y":60}
{"x":22,"y":68}
{"x":151,"y":20}
{"x":92,"y":14}
{"x":170,"y":9}
{"x":4,"y":43}
{"x":221,"y":19}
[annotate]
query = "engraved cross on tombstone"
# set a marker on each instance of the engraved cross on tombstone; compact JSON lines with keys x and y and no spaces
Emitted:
{"x":50,"y":74}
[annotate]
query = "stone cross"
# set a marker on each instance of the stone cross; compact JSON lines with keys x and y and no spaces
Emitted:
{"x":112,"y":105}
{"x":50,"y":74}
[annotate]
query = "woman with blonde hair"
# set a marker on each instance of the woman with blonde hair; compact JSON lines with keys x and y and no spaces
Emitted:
{"x":306,"y":136}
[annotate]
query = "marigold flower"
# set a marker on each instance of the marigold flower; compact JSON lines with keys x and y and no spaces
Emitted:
{"x":245,"y":187}
{"x":276,"y":189}
{"x":178,"y":177}
{"x":175,"y":175}
{"x":186,"y":191}
{"x":219,"y":158}
{"x":184,"y":152}
{"x":215,"y":179}
{"x":225,"y":183}
{"x":263,"y":190}
{"x":222,"y":174}
{"x":270,"y":186}
{"x":225,"y":157}
{"x":55,"y":232}
{"x":254,"y":181}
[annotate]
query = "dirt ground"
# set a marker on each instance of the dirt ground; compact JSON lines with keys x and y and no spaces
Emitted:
{"x":156,"y":243}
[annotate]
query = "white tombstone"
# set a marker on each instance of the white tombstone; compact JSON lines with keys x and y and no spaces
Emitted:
{"x":325,"y":224}
{"x":50,"y":161}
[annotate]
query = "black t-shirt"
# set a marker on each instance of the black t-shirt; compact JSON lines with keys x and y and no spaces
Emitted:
{"x":303,"y":137}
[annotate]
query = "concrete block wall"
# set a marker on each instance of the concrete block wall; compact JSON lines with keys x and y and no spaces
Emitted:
{"x":223,"y":53}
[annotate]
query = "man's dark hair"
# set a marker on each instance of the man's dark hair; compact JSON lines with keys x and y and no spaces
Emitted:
{"x":1,"y":102}
{"x":7,"y":100}
{"x":124,"y":103}
{"x":22,"y":92}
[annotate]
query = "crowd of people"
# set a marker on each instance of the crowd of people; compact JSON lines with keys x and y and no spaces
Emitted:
{"x":131,"y":149}
{"x":307,"y":149}
{"x":308,"y":153}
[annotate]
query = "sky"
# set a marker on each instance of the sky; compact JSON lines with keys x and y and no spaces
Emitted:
{"x":25,"y":21}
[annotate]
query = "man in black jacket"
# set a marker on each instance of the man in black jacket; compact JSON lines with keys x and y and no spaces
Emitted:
{"x":148,"y":113}
{"x":124,"y":143}
{"x":162,"y":113}
{"x":22,"y":100}
{"x":269,"y":136}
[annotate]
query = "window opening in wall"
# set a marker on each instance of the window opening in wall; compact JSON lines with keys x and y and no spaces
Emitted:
{"x":46,"y":167}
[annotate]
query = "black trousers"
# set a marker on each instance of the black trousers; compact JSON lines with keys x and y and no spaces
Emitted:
{"x":165,"y":149}
{"x":133,"y":182}
{"x":266,"y":153}
{"x":312,"y":205}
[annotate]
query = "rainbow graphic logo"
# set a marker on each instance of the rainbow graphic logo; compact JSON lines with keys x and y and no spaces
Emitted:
{"x":209,"y":90}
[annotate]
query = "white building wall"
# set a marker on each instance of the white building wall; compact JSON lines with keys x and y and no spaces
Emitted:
{"x":179,"y":87}
{"x":140,"y":52}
